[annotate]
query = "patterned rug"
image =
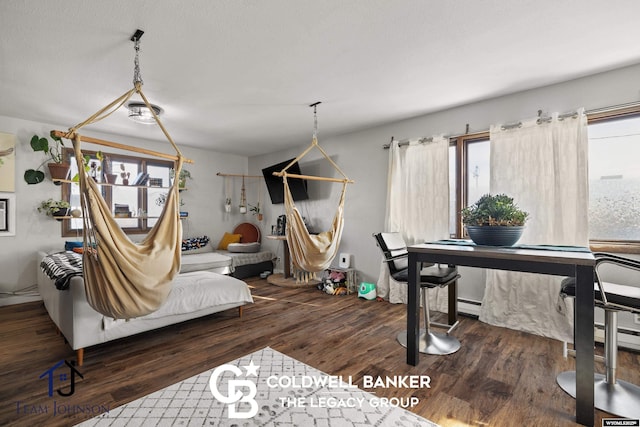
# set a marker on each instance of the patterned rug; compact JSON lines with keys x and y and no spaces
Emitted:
{"x":265,"y":388}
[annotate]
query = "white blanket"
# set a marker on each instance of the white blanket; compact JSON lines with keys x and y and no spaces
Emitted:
{"x":195,"y":291}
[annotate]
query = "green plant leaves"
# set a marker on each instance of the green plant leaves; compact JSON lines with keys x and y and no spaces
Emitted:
{"x":39,"y":144}
{"x":494,"y":210}
{"x":32,"y":176}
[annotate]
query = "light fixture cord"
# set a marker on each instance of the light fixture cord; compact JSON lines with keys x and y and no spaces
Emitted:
{"x":137,"y":76}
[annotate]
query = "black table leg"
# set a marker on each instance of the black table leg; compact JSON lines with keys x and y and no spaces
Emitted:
{"x":413,"y":312}
{"x":584,"y":342}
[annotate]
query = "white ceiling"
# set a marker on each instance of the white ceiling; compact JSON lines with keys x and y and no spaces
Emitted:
{"x":237,"y":76}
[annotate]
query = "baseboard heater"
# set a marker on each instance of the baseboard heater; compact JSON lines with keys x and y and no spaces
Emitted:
{"x":627,"y":338}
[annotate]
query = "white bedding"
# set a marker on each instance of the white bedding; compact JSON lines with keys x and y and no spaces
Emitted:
{"x":205,"y":260}
{"x":195,"y":291}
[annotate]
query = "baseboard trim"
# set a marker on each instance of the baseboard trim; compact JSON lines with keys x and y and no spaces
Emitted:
{"x":468,"y":307}
{"x":627,"y":338}
{"x":18,"y":299}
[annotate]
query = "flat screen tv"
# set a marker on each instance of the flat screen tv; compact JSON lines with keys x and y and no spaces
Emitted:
{"x":275,"y":185}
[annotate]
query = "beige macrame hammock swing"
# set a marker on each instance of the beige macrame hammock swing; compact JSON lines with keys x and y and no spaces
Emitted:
{"x":312,"y":253}
{"x":124,"y":279}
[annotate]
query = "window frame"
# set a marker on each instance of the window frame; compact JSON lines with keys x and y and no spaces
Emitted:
{"x":143,"y":163}
{"x":612,"y":114}
{"x":461,"y":143}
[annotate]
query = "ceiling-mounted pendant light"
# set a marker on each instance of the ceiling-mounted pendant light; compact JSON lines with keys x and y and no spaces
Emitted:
{"x":140,"y":113}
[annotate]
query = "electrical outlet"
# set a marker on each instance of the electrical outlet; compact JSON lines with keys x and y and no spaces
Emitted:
{"x":636,"y":318}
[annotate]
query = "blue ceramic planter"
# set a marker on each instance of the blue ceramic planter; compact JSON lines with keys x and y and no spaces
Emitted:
{"x":499,"y":235}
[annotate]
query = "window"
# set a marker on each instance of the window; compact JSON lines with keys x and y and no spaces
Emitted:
{"x":468,"y":175}
{"x":135,"y":207}
{"x":614,"y":181}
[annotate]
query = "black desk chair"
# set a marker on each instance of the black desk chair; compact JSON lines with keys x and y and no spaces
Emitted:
{"x":395,"y":254}
{"x":616,"y":397}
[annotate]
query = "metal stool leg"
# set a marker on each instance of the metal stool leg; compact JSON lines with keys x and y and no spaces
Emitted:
{"x":431,"y":342}
{"x":619,"y":398}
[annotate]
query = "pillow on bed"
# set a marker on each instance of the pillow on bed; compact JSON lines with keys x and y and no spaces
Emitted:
{"x":244,"y":247}
{"x":195,"y":243}
{"x":228,"y":238}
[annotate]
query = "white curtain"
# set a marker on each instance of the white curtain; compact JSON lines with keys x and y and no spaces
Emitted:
{"x":417,"y":205}
{"x":544,"y":168}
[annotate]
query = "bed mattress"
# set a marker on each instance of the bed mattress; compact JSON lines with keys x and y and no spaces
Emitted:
{"x":204,"y":261}
{"x":239,"y":259}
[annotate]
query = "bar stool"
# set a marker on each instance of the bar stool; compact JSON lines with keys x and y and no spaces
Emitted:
{"x":611,"y":395}
{"x":395,"y":254}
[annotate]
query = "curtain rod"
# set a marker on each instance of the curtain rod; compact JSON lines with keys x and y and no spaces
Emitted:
{"x":541,"y":119}
{"x":234,"y":175}
{"x":430,"y":139}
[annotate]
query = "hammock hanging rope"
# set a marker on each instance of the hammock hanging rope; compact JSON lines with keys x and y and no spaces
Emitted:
{"x":124,"y":279}
{"x":312,"y":253}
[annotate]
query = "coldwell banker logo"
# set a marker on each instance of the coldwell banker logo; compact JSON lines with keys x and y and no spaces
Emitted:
{"x":243,"y":391}
{"x":238,"y":391}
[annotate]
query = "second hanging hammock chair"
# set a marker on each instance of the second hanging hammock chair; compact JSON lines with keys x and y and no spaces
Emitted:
{"x":312,"y":253}
{"x":124,"y":279}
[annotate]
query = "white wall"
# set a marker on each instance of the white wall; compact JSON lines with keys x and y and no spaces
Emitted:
{"x":361,"y":156}
{"x":204,"y":200}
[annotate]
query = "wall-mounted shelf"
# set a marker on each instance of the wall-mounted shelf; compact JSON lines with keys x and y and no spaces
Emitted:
{"x":106,"y":184}
{"x":59,"y":218}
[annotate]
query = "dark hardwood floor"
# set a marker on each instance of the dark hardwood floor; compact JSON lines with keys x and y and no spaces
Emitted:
{"x":499,"y":377}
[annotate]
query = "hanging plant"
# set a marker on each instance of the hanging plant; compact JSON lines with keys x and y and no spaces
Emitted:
{"x":243,"y":199}
{"x":256,"y":211}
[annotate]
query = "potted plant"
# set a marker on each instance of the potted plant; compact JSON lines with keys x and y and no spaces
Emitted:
{"x":109,"y":176}
{"x":55,"y":208}
{"x":124,"y":175}
{"x":494,"y":220}
{"x":55,"y":152}
{"x":227,"y":205}
{"x":256,"y":211}
{"x":91,"y":167}
{"x":182,"y":177}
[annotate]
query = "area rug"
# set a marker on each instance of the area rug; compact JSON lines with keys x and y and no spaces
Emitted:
{"x":265,"y":388}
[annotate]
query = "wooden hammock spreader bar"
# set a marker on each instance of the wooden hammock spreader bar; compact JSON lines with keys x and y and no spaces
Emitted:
{"x":314,"y":178}
{"x":117,"y":145}
{"x":314,"y":143}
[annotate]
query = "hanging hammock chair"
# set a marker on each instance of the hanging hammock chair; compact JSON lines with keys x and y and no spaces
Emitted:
{"x":312,"y":253}
{"x":124,"y":279}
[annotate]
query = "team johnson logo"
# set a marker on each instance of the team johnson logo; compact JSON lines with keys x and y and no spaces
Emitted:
{"x":237,"y":390}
